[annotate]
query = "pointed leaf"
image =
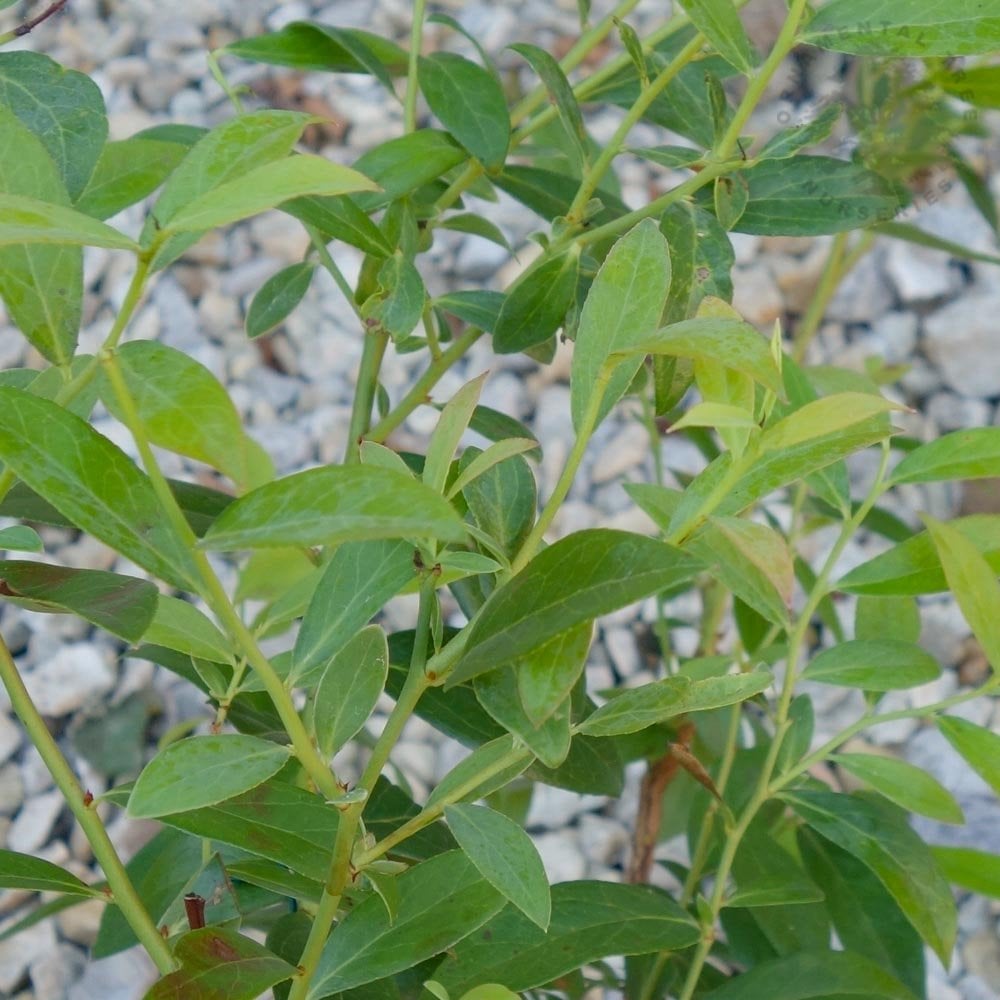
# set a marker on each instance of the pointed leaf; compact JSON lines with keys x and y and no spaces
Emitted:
{"x":873,"y":665}
{"x":494,"y":455}
{"x":181,"y":626}
{"x":203,"y":770}
{"x":28,"y":220}
{"x":477,"y":308}
{"x":505,"y":856}
{"x":484,"y":759}
{"x":978,"y":871}
{"x":451,"y":425}
{"x":825,"y":416}
{"x":584,"y":575}
{"x":795,"y":138}
{"x":341,"y":219}
{"x":470,"y":103}
{"x":441,"y":901}
{"x":22,"y":871}
{"x":536,"y":304}
{"x":92,"y":482}
{"x":547,"y":675}
{"x":967,"y":454}
{"x":334,"y":504}
{"x":349,"y":689}
{"x":718,"y":21}
{"x":622,"y":308}
{"x":503,"y":500}
{"x":278,"y":297}
{"x":979,"y":747}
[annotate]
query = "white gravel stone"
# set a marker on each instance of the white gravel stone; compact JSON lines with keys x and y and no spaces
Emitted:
{"x":10,"y":737}
{"x":65,"y":682}
{"x":626,"y":450}
{"x":52,"y":974}
{"x":18,"y":952}
{"x":561,"y":856}
{"x":961,"y":340}
{"x":621,"y":646}
{"x":33,"y":824}
{"x":11,"y":790}
{"x":552,"y":808}
{"x":124,"y":976}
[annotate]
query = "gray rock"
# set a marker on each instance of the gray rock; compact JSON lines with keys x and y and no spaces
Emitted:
{"x":33,"y":824}
{"x":561,"y":856}
{"x":952,"y":413}
{"x":124,"y":976}
{"x":52,"y":974}
{"x":973,"y":988}
{"x":553,"y":808}
{"x":66,"y":681}
{"x":17,"y":953}
{"x":863,"y":294}
{"x":919,"y":273}
{"x":11,"y":790}
{"x":626,"y":450}
{"x":10,"y":737}
{"x":960,"y":340}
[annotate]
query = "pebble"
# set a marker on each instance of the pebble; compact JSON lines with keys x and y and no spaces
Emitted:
{"x":10,"y":737}
{"x":11,"y":790}
{"x":552,"y":808}
{"x":919,"y":273}
{"x":124,"y":976}
{"x":561,"y":855}
{"x":627,"y":449}
{"x":33,"y":824}
{"x":76,"y":674}
{"x":621,"y":646}
{"x":52,"y":974}
{"x":756,"y":296}
{"x":17,"y":953}
{"x":960,"y":340}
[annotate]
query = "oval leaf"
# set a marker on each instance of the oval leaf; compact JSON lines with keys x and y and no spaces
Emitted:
{"x":278,"y":297}
{"x":202,"y":771}
{"x":22,"y":871}
{"x":547,"y":675}
{"x":979,"y":747}
{"x":505,"y":857}
{"x":536,"y":304}
{"x":873,"y":665}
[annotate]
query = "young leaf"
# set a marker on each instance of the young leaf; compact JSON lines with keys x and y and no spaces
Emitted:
{"x":441,"y":901}
{"x":561,"y":95}
{"x":978,"y":871}
{"x":966,"y":454}
{"x":334,"y":504}
{"x":913,"y":566}
{"x":400,"y":304}
{"x":814,"y":195}
{"x":638,"y":708}
{"x":451,"y":426}
{"x":921,"y":28}
{"x":590,"y":920}
{"x":92,"y":482}
{"x":483,"y":759}
{"x":503,"y":499}
{"x":623,"y":307}
{"x":219,"y":964}
{"x":126,"y":172}
{"x":978,"y":746}
{"x":718,"y":21}
{"x":547,"y":675}
{"x":122,"y":605}
{"x":278,"y":297}
{"x":470,"y":103}
{"x":28,"y":220}
{"x":880,"y":837}
{"x":730,"y":199}
{"x":873,"y":665}
{"x":672,"y":157}
{"x":824,"y":416}
{"x":909,"y":787}
{"x":536,"y":304}
{"x":349,"y":688}
{"x":357,"y":581}
{"x":62,"y":107}
{"x":505,"y":857}
{"x":22,"y":871}
{"x":484,"y":461}
{"x":181,"y":626}
{"x":801,"y":976}
{"x":973,"y":582}
{"x":586,"y":574}
{"x":202,"y":771}
{"x":184,"y":408}
{"x":264,"y":187}
{"x":795,"y":138}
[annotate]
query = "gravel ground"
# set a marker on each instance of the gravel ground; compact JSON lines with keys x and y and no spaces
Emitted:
{"x":904,"y":304}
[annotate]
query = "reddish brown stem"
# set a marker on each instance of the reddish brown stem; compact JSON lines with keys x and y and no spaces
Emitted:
{"x":30,"y":25}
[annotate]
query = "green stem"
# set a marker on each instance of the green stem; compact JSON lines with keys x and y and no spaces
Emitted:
{"x":330,"y":265}
{"x":214,"y":593}
{"x":104,"y":851}
{"x":372,"y":351}
{"x":418,"y":395}
{"x":416,"y":40}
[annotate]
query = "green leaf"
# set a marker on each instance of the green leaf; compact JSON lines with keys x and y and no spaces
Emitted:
{"x":264,"y":187}
{"x":441,"y":901}
{"x":561,"y":95}
{"x":824,"y":416}
{"x":505,"y":856}
{"x":593,"y":767}
{"x":92,"y":482}
{"x":482,"y":760}
{"x":62,"y":107}
{"x":718,"y":21}
{"x":278,"y":297}
{"x":22,"y":871}
{"x":580,"y":577}
{"x":979,"y":85}
{"x":470,"y":103}
{"x":736,"y":344}
{"x":20,"y":538}
{"x":550,"y":742}
{"x":493,"y":456}
{"x":873,"y":665}
{"x":307,"y":45}
{"x":181,"y":626}
{"x":277,"y":878}
{"x":590,"y":920}
{"x":349,"y":689}
{"x":42,"y":286}
{"x":820,"y":975}
{"x":28,"y":220}
{"x":967,"y":454}
{"x":122,"y":605}
{"x":730,"y":196}
{"x":814,"y":195}
{"x":341,"y":219}
{"x":503,"y":500}
{"x":979,"y":747}
{"x":908,"y":786}
{"x":536,"y":304}
{"x":864,"y":915}
{"x":451,"y":426}
{"x":638,"y":708}
{"x":185,"y":409}
{"x":401,"y":166}
{"x":623,"y":307}
{"x":477,"y":308}
{"x":334,"y":504}
{"x":126,"y":172}
{"x":790,"y":141}
{"x":879,"y":836}
{"x":400,"y":304}
{"x":202,"y":771}
{"x":913,"y":566}
{"x":974,"y":584}
{"x":219,"y":964}
{"x":978,"y":871}
{"x":672,"y":157}
{"x":357,"y":581}
{"x":921,"y":28}
{"x":550,"y":194}
{"x":547,"y":674}
{"x":475,"y":225}
{"x":879,"y":617}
